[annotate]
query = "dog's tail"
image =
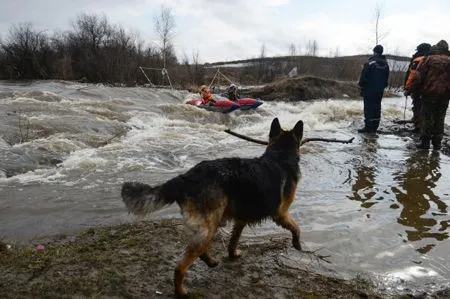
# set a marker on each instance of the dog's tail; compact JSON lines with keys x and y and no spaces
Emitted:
{"x":141,"y":199}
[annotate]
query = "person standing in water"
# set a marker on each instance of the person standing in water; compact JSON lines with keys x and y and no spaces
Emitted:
{"x":432,"y":82}
{"x":421,"y":51}
{"x":373,"y":80}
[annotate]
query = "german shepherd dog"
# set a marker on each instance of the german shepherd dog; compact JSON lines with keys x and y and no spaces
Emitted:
{"x":244,"y":190}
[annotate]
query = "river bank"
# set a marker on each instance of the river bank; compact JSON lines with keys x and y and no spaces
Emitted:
{"x":137,"y":260}
{"x":307,"y":88}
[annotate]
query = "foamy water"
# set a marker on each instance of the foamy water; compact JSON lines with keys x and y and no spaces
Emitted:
{"x":376,"y":206}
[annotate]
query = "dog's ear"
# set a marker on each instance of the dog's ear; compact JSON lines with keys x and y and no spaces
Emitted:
{"x":298,"y":130}
{"x":275,"y":128}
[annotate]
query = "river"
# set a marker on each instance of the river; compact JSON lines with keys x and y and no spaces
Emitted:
{"x":378,"y":206}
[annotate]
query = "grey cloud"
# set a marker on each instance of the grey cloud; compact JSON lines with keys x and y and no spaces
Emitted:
{"x":52,"y":14}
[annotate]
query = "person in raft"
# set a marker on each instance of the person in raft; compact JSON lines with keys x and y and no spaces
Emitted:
{"x":206,"y":95}
{"x":232,"y":93}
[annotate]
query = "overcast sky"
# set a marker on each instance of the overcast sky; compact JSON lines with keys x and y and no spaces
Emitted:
{"x":224,"y":30}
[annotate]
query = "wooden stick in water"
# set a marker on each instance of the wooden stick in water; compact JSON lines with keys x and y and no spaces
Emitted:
{"x":246,"y":138}
{"x":327,"y":140}
{"x":302,"y":142}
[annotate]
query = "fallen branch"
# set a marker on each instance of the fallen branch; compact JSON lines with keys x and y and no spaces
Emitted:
{"x":301,"y":143}
{"x":118,"y":134}
{"x":246,"y":138}
{"x":115,"y":136}
{"x":326,"y":140}
{"x":318,"y":256}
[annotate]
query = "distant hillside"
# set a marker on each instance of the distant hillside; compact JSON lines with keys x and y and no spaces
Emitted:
{"x":248,"y":62}
{"x":270,"y":69}
{"x":305,"y":88}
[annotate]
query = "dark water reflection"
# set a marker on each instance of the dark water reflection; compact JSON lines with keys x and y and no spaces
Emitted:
{"x":364,"y":188}
{"x":415,"y":192}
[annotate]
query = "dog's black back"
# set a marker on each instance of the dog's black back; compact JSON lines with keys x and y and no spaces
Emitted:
{"x":254,"y":187}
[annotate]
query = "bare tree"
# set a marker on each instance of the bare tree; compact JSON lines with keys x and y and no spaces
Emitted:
{"x":311,"y":48}
{"x":337,"y":52}
{"x":26,"y":52}
{"x":262,"y":65}
{"x":199,"y":70}
{"x":185,"y":61}
{"x":262,"y":52}
{"x":92,"y":29}
{"x":94,"y":50}
{"x":91,"y":34}
{"x":165,"y":28}
{"x":292,"y":50}
{"x":379,"y":34}
{"x":195,"y":70}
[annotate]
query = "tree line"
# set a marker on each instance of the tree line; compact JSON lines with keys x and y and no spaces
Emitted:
{"x":93,"y":51}
{"x":96,"y":51}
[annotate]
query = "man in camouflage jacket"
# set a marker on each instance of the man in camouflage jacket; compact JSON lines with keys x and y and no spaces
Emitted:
{"x":432,"y":82}
{"x":422,"y":51}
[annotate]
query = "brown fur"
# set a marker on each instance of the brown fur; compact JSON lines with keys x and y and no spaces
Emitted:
{"x":214,"y":191}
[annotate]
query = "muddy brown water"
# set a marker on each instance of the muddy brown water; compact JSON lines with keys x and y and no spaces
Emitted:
{"x":377,"y":205}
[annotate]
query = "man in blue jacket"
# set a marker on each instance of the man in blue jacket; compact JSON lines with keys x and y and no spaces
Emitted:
{"x":373,"y":81}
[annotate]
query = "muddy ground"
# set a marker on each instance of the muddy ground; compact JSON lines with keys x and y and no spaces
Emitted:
{"x":305,"y":88}
{"x":137,"y":260}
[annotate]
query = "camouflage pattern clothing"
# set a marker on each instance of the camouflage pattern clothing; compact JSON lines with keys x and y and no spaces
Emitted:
{"x":432,"y":82}
{"x":416,"y":108}
{"x":433,"y":119}
{"x":432,"y":77}
{"x":416,"y":98}
{"x":421,"y":51}
{"x":440,"y":48}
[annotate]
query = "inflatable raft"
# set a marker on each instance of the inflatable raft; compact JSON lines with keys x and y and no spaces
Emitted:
{"x":227,"y":106}
{"x":249,"y":103}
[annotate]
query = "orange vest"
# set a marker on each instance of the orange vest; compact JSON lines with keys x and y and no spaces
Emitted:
{"x":412,"y":71}
{"x":207,"y":96}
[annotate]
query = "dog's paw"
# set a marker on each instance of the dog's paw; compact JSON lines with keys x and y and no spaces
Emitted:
{"x":181,"y":293}
{"x":297,"y":245}
{"x":236,"y":254}
{"x":209,"y":261}
{"x":212,"y":263}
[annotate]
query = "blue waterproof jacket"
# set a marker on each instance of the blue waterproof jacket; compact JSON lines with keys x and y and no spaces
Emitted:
{"x":374,"y":75}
